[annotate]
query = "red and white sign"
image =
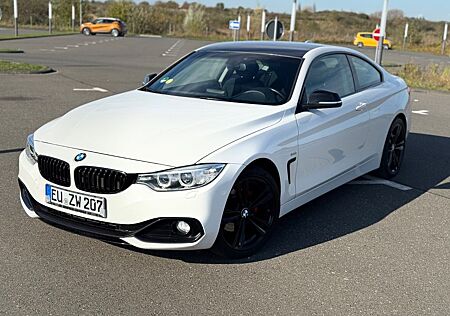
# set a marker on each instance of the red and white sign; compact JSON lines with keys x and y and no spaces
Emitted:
{"x":376,"y":34}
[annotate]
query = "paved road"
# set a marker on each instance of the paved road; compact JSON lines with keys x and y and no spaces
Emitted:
{"x":360,"y":249}
{"x":395,"y":57}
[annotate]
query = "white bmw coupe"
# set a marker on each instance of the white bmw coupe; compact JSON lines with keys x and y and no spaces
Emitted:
{"x":213,"y":150}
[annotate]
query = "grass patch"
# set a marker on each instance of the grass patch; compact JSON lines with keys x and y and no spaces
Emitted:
{"x":12,"y":67}
{"x":11,"y":50}
{"x":5,"y":37}
{"x":431,"y":77}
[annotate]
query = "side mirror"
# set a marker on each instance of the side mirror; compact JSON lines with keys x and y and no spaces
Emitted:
{"x":149,"y":78}
{"x":321,"y":99}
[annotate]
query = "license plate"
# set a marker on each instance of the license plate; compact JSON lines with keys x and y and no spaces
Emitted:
{"x":83,"y":203}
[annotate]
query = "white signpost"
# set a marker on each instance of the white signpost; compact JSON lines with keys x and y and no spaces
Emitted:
{"x":234,"y":25}
{"x":292,"y":29}
{"x":50,"y":16}
{"x":263,"y":24}
{"x":275,"y":29}
{"x":73,"y":18}
{"x":81,"y":14}
{"x":248,"y":26}
{"x":444,"y":38}
{"x":16,"y":16}
{"x":405,"y":36}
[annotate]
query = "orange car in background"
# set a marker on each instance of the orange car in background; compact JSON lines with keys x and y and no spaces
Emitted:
{"x":112,"y":26}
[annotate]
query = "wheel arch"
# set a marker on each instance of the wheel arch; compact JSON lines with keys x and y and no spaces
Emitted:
{"x":269,"y":166}
{"x":402,"y":116}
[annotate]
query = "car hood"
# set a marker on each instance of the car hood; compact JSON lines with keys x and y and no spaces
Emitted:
{"x":157,"y":128}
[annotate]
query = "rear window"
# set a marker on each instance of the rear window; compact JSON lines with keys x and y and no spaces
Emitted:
{"x":366,"y":74}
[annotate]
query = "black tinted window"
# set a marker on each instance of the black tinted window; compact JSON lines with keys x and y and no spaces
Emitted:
{"x":330,"y":73}
{"x":366,"y":74}
{"x":231,"y":76}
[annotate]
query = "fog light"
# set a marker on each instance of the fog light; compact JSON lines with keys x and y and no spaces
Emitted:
{"x":183,"y":227}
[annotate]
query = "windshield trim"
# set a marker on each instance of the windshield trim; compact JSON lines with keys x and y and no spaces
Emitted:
{"x":145,"y":88}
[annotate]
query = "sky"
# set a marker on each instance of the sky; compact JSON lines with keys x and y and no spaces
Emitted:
{"x":435,"y":10}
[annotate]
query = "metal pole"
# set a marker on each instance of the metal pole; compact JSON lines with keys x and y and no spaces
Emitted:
{"x":50,"y":17}
{"x":405,"y":35}
{"x":73,"y":18}
{"x":275,"y":29}
{"x":248,"y":26}
{"x":263,"y":24}
{"x":81,"y":14}
{"x":16,"y":22}
{"x":239,"y":30}
{"x":379,"y":51}
{"x":294,"y":11}
{"x":444,"y":39}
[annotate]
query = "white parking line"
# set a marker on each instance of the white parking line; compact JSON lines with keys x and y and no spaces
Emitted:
{"x":170,"y":52}
{"x":58,"y":47}
{"x":97,"y":89}
{"x":150,"y":36}
{"x":421,"y":112}
{"x":374,"y":180}
{"x":72,"y":45}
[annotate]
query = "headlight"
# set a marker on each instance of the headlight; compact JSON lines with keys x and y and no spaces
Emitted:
{"x":29,"y":149}
{"x":181,"y":178}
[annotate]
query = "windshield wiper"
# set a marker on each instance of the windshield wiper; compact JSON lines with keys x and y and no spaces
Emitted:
{"x":211,"y":98}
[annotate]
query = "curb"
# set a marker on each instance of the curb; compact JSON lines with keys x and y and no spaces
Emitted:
{"x":37,"y":36}
{"x":18,"y":51}
{"x":40,"y":72}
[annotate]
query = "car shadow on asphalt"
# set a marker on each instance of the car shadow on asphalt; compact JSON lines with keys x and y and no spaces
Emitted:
{"x":347,"y":209}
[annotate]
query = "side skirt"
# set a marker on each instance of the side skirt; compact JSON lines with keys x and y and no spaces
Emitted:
{"x":370,"y":164}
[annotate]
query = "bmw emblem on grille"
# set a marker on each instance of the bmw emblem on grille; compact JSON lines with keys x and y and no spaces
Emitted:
{"x":80,"y":157}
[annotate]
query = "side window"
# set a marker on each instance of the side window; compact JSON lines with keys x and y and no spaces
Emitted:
{"x":366,"y":74}
{"x":331,"y":73}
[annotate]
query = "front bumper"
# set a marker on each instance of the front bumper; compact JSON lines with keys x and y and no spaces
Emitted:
{"x":135,"y":212}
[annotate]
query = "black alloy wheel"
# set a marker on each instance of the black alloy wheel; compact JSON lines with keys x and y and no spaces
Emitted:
{"x":394,"y":150}
{"x":250,"y":213}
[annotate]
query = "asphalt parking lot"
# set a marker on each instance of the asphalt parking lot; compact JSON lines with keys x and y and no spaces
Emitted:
{"x":366,"y":248}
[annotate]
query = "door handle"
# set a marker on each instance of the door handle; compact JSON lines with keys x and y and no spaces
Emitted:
{"x":361,"y":106}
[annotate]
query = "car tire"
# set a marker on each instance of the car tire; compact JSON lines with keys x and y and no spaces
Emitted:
{"x":251,"y":211}
{"x":393,"y":150}
{"x":385,"y":46}
{"x":115,"y":32}
{"x":360,"y":45}
{"x":86,"y":31}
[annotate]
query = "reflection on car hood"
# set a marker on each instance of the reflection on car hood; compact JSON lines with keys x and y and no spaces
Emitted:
{"x":157,"y":128}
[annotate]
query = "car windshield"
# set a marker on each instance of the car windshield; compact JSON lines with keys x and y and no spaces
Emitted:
{"x":231,"y":76}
